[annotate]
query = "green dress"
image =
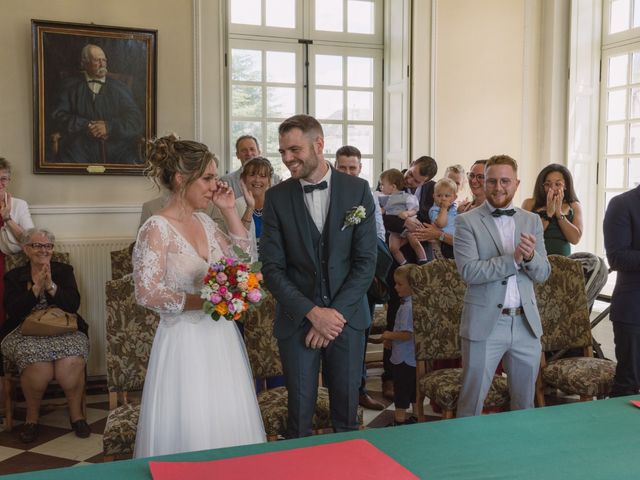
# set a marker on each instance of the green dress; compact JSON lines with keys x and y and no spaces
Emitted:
{"x":554,"y":240}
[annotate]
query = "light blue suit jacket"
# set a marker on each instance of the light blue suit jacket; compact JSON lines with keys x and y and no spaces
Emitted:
{"x":485,"y":268}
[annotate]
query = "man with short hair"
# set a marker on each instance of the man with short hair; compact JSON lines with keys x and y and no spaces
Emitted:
{"x":622,"y":243}
{"x":247,"y":147}
{"x":318,"y":253}
{"x":500,"y":254}
{"x":96,"y":117}
{"x":349,"y":161}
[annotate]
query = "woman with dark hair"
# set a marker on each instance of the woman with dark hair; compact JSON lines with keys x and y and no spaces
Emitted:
{"x":555,"y":200}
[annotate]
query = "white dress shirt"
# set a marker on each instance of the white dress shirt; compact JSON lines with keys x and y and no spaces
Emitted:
{"x":317,"y":201}
{"x":507,"y":230}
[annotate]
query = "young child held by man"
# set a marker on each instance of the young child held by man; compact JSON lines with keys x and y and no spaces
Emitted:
{"x":443,"y":215}
{"x":403,"y":356}
{"x":404,"y":205}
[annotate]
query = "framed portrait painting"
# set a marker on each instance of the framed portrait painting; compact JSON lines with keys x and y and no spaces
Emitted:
{"x":94,"y":96}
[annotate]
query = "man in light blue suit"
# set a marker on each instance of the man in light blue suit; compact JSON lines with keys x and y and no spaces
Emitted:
{"x":500,"y":254}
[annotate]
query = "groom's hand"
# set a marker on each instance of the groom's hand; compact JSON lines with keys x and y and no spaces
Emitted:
{"x":327,"y":321}
{"x":315,"y":340}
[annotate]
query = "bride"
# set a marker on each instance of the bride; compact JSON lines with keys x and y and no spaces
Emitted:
{"x":198,"y":393}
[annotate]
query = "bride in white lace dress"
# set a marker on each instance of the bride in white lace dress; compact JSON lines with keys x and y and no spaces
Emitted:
{"x":199,"y":392}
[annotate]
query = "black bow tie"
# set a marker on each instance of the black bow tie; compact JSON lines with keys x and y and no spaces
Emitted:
{"x":498,"y":212}
{"x":318,"y":186}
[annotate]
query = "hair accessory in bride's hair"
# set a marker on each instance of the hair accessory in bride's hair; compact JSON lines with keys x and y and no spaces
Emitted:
{"x":232,"y":286}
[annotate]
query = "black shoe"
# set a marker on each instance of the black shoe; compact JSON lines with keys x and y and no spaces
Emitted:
{"x":81,"y":427}
{"x":365,"y":400}
{"x":29,"y":432}
{"x":407,"y":421}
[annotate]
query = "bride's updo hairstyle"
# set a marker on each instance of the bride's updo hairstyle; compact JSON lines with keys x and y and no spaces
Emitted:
{"x":169,"y":155}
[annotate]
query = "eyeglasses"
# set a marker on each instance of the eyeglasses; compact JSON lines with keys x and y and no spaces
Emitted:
{"x":504,"y":182}
{"x":41,"y":246}
{"x":479,"y":176}
{"x":5,"y":179}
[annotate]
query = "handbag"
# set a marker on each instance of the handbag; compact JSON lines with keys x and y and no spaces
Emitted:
{"x":48,"y":322}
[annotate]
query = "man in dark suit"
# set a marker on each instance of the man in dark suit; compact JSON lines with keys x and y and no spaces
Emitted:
{"x":500,"y":254}
{"x":319,"y":258}
{"x":622,"y":243}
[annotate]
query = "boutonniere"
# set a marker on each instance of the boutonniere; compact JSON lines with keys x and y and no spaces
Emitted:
{"x":354,"y":216}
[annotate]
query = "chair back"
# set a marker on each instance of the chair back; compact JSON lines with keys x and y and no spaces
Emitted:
{"x":262,"y":346}
{"x":20,"y":259}
{"x":563,"y":308}
{"x":438,"y":296}
{"x":595,"y":272}
{"x":130,"y":332}
{"x":121,"y":263}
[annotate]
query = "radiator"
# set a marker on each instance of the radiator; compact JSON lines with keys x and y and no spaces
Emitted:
{"x":92,"y":266}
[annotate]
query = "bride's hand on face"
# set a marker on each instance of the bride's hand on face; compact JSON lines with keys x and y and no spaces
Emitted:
{"x":248,"y":195}
{"x":223,"y":197}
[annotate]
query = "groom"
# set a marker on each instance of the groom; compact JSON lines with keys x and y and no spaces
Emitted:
{"x":318,"y":260}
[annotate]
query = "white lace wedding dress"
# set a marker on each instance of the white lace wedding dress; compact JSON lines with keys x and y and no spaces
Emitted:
{"x":199,"y":392}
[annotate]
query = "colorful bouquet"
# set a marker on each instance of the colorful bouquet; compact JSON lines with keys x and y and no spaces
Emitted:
{"x":232,"y":286}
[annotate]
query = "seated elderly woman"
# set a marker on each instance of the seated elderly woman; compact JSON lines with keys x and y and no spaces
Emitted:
{"x":40,"y":359}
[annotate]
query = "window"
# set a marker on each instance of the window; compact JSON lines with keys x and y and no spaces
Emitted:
{"x":319,"y":57}
{"x":619,"y":158}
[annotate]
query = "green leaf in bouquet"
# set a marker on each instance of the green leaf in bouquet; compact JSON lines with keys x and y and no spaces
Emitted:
{"x":255,"y":267}
{"x":208,"y":307}
{"x":241,"y":254}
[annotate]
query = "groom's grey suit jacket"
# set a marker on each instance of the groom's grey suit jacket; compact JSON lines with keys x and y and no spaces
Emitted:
{"x":485,"y":268}
{"x":288,"y":256}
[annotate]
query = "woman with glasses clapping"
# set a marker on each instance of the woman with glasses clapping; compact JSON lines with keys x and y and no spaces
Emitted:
{"x":555,"y":200}
{"x":39,"y":284}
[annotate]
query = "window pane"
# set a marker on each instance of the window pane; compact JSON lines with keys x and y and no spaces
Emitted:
{"x":615,"y":173}
{"x":636,"y":13}
{"x":246,"y":65}
{"x":360,"y":16}
{"x":367,"y":171}
{"x":281,"y":13}
{"x":619,"y":16}
{"x":616,"y":105}
{"x":361,"y":136}
{"x":328,"y":70}
{"x":618,"y":70}
{"x":634,"y":138}
{"x":615,"y":139}
{"x":635,"y":67}
{"x":246,"y":101}
{"x":360,"y":72}
{"x":279,"y":168}
{"x":634,"y":172}
{"x":332,"y":138}
{"x":635,"y":103}
{"x":360,"y":105}
{"x":272,"y":137}
{"x":329,"y":104}
{"x":247,"y":12}
{"x":607,"y":198}
{"x":281,"y":67}
{"x":329,"y":15}
{"x":281,"y":102}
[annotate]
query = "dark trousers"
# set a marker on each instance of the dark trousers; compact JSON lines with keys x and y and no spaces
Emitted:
{"x":342,"y":371}
{"x":627,"y":340}
{"x":404,"y":385}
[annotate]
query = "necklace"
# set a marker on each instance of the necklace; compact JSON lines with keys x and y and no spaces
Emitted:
{"x":257,"y":212}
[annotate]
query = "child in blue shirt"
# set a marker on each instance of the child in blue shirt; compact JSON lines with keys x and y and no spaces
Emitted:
{"x":403,"y":356}
{"x":443,"y":215}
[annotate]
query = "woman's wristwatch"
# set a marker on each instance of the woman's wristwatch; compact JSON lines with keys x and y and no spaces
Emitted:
{"x":52,"y":286}
{"x":441,"y":237}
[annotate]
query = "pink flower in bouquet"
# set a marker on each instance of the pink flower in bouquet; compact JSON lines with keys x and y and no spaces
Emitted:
{"x":244,"y":286}
{"x":228,"y":295}
{"x":221,"y":277}
{"x":254,"y":296}
{"x":216,"y":298}
{"x":222,"y":290}
{"x":259,"y":276}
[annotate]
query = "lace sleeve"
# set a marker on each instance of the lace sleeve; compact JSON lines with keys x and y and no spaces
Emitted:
{"x":149,"y":266}
{"x":226,"y":242}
